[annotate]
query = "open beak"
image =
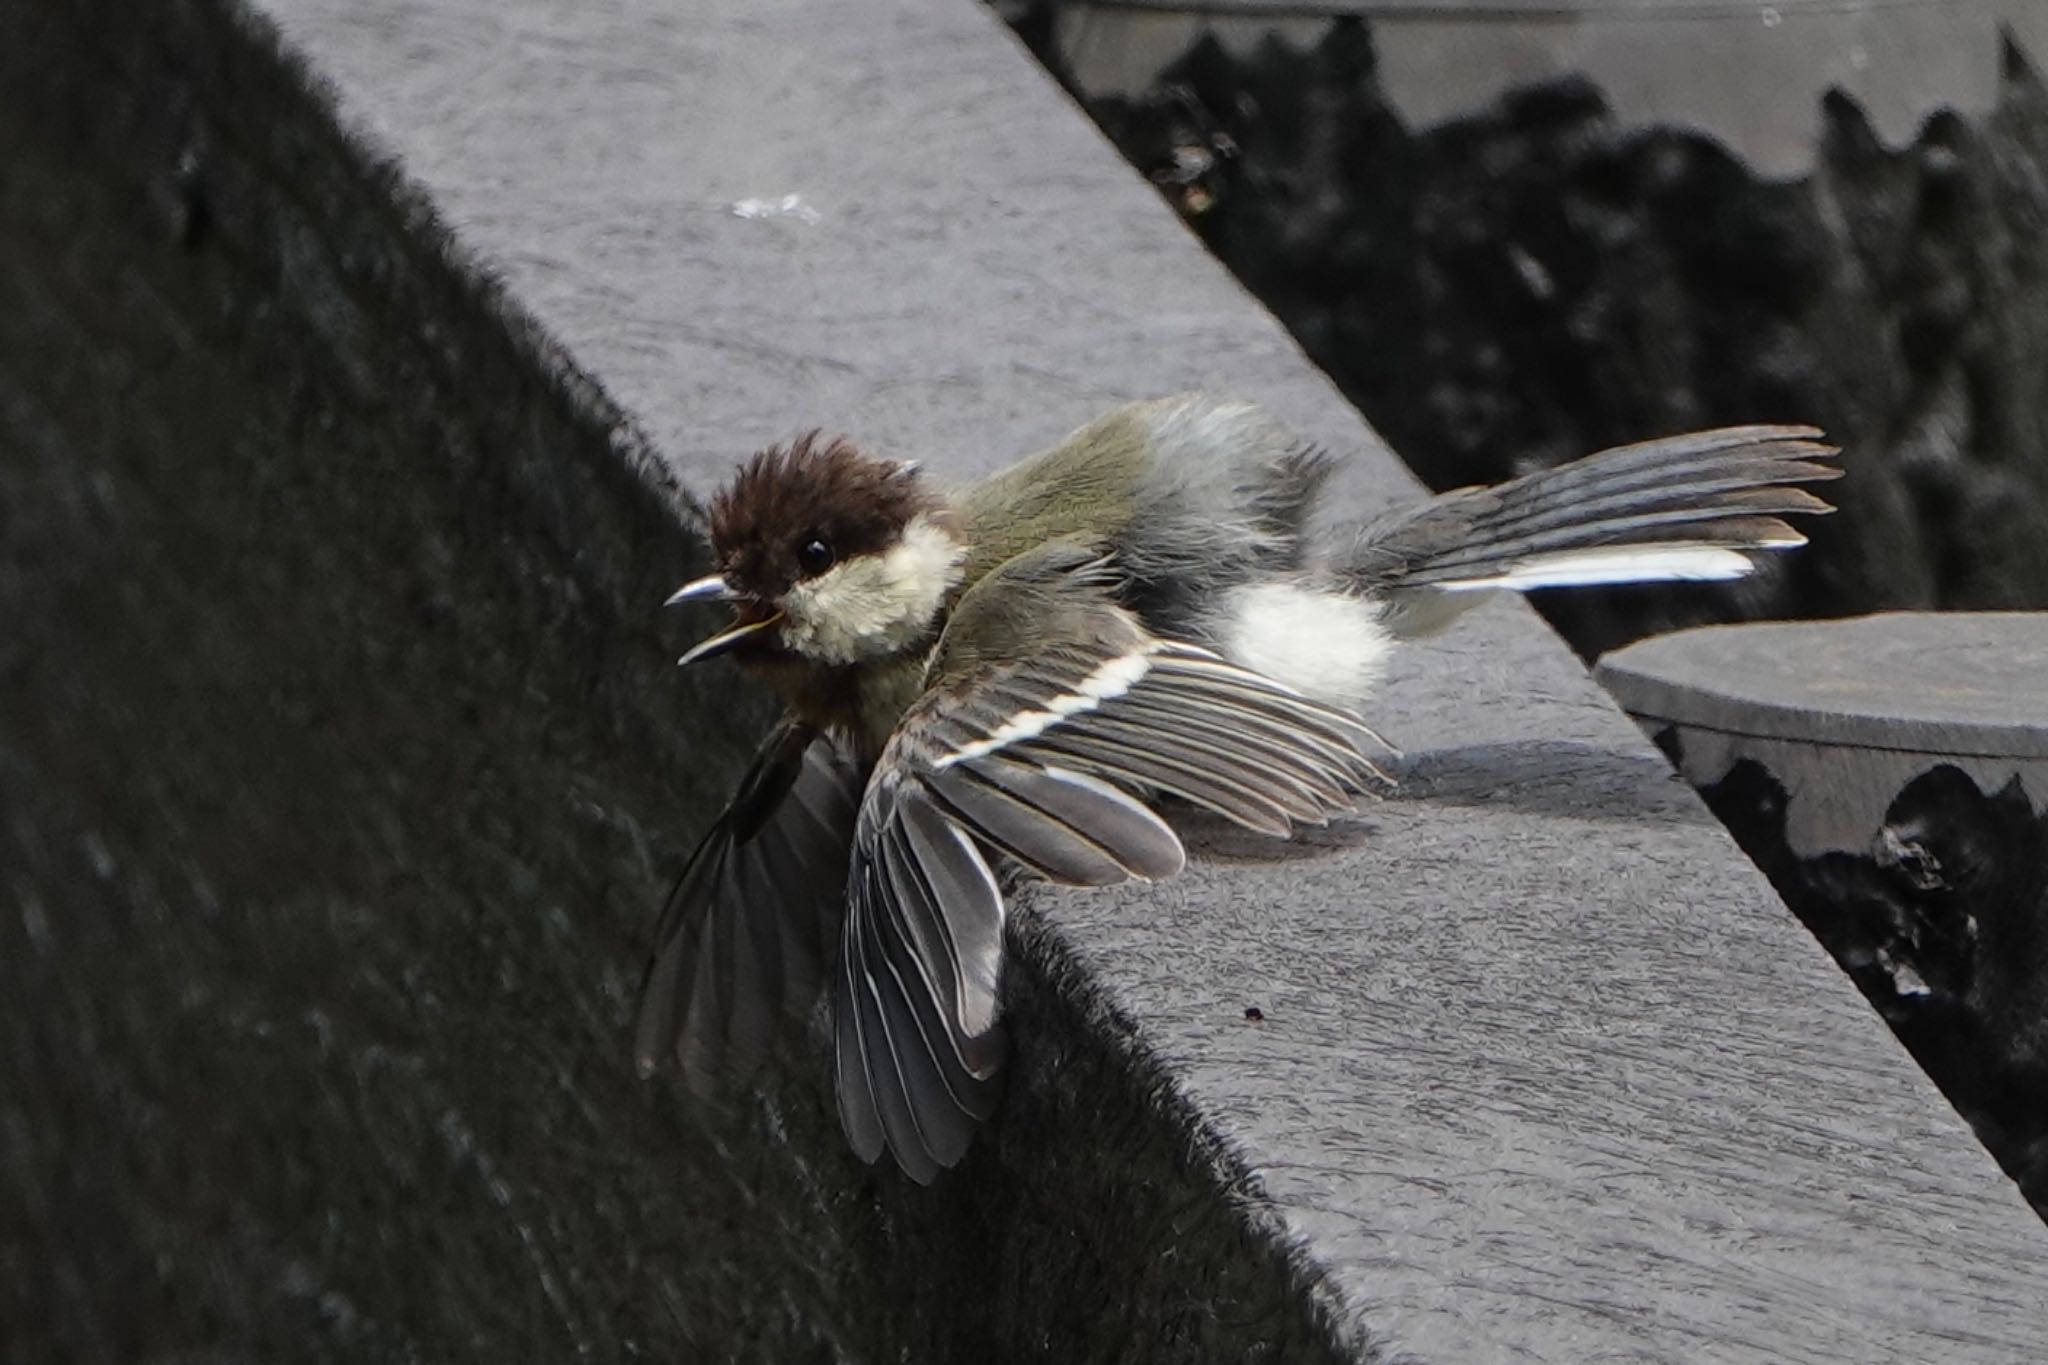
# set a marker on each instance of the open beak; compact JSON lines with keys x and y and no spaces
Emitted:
{"x":726,"y":639}
{"x":754,"y":617}
{"x":708,"y":589}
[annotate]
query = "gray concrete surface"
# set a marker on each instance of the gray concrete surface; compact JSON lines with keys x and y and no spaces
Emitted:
{"x":342,"y":768}
{"x":1846,"y":713}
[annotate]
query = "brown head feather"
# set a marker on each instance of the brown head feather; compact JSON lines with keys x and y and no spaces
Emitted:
{"x":809,"y":489}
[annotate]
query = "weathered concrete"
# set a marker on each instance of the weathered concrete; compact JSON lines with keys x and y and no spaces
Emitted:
{"x":342,"y":766}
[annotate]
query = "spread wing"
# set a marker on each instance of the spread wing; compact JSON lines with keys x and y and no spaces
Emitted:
{"x":754,"y":916}
{"x":1047,"y":707}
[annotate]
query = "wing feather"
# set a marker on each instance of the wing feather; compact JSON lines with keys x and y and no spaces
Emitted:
{"x":1034,"y":747}
{"x":853,"y":1059}
{"x":1093,"y":751}
{"x":1038,"y":816}
{"x":894,"y":1097}
{"x":969,"y":902}
{"x":742,"y":942}
{"x":947,"y":1098}
{"x":979,"y":1056}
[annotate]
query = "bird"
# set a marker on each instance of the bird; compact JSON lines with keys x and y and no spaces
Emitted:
{"x":1003,"y":680}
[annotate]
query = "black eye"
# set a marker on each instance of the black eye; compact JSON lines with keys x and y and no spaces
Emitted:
{"x":814,"y":556}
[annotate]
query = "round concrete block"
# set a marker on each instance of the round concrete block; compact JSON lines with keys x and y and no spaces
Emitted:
{"x":1845,"y":713}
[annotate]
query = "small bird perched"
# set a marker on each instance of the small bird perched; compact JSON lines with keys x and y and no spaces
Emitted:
{"x":998,"y":680}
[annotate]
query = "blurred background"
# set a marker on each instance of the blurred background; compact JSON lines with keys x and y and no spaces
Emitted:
{"x":1516,"y":231}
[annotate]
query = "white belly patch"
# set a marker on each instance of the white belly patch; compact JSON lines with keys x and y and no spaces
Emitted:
{"x":1327,"y":644}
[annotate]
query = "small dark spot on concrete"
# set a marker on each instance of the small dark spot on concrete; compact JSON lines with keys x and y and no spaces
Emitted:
{"x":1254,"y":1014}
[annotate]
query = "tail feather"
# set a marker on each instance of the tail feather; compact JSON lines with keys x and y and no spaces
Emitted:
{"x":1751,"y":487}
{"x":1680,"y":562}
{"x":1734,"y":522}
{"x":1683,"y":507}
{"x":1668,"y":460}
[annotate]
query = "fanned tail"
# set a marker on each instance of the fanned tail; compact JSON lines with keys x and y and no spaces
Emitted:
{"x":1696,"y":507}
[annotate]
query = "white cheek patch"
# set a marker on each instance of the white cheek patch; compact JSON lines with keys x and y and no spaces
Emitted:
{"x":1329,"y":645}
{"x":874,"y":605}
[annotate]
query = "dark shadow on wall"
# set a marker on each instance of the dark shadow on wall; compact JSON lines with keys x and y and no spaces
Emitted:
{"x":1536,"y":280}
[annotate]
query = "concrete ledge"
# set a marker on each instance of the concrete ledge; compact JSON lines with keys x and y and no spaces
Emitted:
{"x":349,"y":353}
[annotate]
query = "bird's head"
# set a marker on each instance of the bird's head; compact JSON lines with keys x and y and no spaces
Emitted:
{"x":831,"y":555}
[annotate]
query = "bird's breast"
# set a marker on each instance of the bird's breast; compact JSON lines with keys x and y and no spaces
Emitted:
{"x":863,"y":702}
